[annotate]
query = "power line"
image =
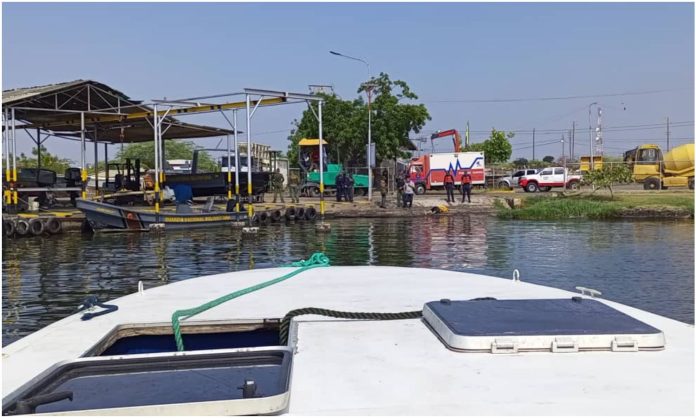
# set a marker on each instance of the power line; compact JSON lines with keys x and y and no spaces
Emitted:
{"x":540,"y":99}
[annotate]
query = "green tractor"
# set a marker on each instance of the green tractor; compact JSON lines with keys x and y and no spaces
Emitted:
{"x":309,"y":163}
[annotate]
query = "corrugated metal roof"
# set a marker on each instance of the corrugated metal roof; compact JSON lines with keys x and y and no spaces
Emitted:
{"x":14,"y":96}
{"x":43,"y":107}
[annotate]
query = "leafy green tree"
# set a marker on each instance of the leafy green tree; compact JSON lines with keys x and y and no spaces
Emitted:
{"x":520,"y":162}
{"x":48,"y":161}
{"x":496,"y":149}
{"x":345,"y":123}
{"x":608,"y":176}
{"x":173,"y":150}
{"x":343,"y":130}
{"x":548,"y":159}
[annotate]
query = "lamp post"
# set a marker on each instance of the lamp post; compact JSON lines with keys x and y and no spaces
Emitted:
{"x":589,"y":121}
{"x":369,"y":122}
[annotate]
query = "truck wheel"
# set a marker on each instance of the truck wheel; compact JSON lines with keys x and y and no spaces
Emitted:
{"x":532,"y":188}
{"x":691,"y":183}
{"x":651,"y":183}
{"x":573,"y":185}
{"x":313,"y":191}
{"x":545,"y":189}
{"x":420,"y":189}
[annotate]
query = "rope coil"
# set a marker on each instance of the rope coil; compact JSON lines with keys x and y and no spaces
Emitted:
{"x":316,"y":260}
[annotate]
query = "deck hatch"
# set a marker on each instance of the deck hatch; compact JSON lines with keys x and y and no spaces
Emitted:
{"x":130,"y":339}
{"x":217,"y":382}
{"x":556,"y":325}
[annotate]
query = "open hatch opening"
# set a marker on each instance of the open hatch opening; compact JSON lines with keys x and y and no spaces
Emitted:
{"x":209,"y":335}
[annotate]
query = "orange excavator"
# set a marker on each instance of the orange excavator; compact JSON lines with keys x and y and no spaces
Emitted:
{"x":456,"y":138}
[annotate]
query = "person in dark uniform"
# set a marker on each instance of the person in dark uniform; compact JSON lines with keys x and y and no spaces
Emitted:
{"x":449,"y":185}
{"x":400,"y":189}
{"x":340,"y":183}
{"x":466,"y":186}
{"x":350,"y":183}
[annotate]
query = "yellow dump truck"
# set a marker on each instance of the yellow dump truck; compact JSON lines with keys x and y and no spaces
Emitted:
{"x":654,"y":170}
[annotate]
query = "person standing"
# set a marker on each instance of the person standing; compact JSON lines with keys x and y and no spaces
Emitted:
{"x":466,"y":186}
{"x":449,"y":185}
{"x":350,"y":183}
{"x":277,"y":185}
{"x":400,"y":189}
{"x":294,"y":186}
{"x":409,"y":190}
{"x":383,"y":188}
{"x":339,"y":186}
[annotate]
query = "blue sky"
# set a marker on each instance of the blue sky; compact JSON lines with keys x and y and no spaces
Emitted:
{"x":447,"y":53}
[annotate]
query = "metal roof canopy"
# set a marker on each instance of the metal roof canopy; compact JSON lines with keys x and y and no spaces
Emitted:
{"x":110,"y":116}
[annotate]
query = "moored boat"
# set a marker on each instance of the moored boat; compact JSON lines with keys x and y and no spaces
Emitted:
{"x":106,"y":216}
{"x":359,"y":340}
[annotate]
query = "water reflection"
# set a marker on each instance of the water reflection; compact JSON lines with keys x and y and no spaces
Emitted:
{"x":644,"y":264}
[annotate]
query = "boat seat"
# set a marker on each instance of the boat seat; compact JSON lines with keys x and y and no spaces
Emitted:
{"x":209,"y":204}
{"x":183,"y":208}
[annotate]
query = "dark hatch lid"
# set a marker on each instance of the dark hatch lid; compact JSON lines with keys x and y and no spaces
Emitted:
{"x":477,"y":324}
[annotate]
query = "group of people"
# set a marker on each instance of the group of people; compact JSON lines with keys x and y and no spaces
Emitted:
{"x":345,"y":186}
{"x":405,"y":189}
{"x":466,"y":186}
{"x":277,"y":181}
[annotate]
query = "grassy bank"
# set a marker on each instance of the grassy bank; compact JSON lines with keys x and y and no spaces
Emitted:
{"x":600,"y":206}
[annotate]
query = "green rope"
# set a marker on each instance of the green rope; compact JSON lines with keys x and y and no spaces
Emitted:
{"x":316,"y":260}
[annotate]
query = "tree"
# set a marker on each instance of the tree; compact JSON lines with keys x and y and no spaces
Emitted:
{"x":520,"y":162}
{"x":609,"y":175}
{"x":548,"y":159}
{"x":343,"y":130}
{"x":172,"y":150}
{"x":345,"y":123}
{"x":48,"y":161}
{"x":496,"y":148}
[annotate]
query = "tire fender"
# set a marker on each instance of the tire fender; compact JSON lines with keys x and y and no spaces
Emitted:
{"x":311,"y":213}
{"x":22,"y":227}
{"x":36,"y":227}
{"x":9,"y":228}
{"x":54,"y":226}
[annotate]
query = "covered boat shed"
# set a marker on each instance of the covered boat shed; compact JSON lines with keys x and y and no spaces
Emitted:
{"x":84,"y":110}
{"x":93,"y":111}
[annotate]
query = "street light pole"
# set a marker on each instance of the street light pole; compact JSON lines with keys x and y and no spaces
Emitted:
{"x":589,"y":121}
{"x":369,"y":121}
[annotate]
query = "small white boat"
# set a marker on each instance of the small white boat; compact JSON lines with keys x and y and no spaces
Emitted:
{"x":516,"y":349}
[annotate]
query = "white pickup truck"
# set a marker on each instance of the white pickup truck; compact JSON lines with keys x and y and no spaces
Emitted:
{"x":550,"y":177}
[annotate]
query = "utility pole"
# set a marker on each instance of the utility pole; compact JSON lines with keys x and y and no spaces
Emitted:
{"x":466,"y":139}
{"x":572,"y":143}
{"x":668,"y":133}
{"x":533,"y":138}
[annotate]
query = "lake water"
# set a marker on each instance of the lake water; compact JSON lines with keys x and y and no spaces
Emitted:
{"x":646,"y":264}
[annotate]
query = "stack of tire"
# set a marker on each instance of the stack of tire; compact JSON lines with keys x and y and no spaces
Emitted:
{"x":265,"y":218}
{"x":22,"y":227}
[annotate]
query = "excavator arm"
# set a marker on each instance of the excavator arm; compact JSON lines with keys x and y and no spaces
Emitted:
{"x":456,"y":138}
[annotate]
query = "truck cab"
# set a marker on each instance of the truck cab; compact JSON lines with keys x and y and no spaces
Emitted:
{"x":655,"y":170}
{"x":514,"y":180}
{"x":550,"y":177}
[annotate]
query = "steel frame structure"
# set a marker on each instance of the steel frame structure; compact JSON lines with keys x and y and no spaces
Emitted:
{"x":157,"y":117}
{"x":263,"y":98}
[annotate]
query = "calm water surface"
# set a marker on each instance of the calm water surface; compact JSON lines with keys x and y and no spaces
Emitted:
{"x":646,"y":264}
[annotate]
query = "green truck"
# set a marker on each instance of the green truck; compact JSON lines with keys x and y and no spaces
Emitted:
{"x":309,"y":162}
